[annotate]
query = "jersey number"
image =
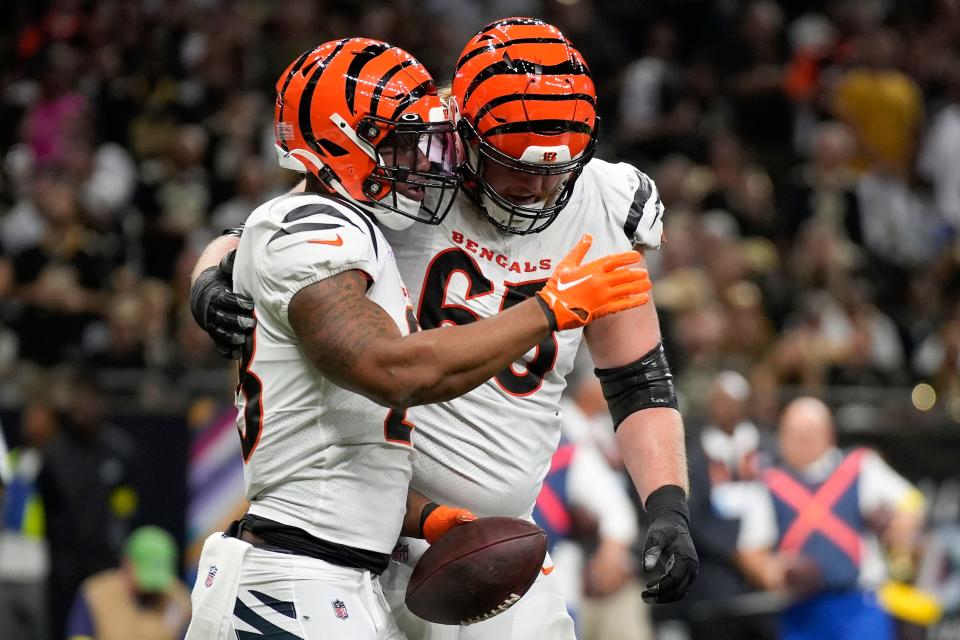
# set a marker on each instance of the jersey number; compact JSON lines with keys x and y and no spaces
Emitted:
{"x":435,"y":311}
{"x":396,"y":428}
{"x":395,"y":425}
{"x":250,"y":386}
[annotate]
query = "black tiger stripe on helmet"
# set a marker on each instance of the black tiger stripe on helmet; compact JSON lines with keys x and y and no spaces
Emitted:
{"x":360,"y":60}
{"x":306,"y":99}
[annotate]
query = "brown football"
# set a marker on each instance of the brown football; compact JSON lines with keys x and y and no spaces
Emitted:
{"x":477,"y":570}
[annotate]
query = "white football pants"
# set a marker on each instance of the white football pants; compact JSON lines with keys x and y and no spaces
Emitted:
{"x":284,"y":596}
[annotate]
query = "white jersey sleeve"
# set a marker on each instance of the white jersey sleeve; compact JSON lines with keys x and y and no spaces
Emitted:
{"x":314,"y":241}
{"x":632,"y":201}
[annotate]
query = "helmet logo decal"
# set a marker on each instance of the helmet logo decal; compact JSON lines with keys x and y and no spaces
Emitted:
{"x":549,"y":156}
{"x":286,"y":83}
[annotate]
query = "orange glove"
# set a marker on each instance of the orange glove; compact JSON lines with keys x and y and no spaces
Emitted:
{"x":436,"y":520}
{"x":578,"y":294}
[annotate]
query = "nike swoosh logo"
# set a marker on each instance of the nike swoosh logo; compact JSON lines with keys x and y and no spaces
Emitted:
{"x":563,"y":286}
{"x":334,"y":243}
{"x":547,"y":570}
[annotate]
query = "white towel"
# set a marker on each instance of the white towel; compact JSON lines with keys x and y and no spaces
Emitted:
{"x":215,"y":592}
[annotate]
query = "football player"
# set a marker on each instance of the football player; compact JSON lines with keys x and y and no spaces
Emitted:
{"x":336,"y":359}
{"x":526,"y":113}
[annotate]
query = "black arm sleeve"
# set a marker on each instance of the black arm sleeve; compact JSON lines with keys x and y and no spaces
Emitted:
{"x":643,"y":384}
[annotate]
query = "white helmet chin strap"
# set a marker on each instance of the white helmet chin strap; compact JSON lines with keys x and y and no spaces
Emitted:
{"x":289,"y":161}
{"x":392,"y":219}
{"x":504,"y":216}
{"x":386,"y":217}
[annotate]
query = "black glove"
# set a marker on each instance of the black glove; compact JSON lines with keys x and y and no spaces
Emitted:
{"x":669,"y":546}
{"x":226,"y":316}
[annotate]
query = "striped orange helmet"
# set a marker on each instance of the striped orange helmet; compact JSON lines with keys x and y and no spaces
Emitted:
{"x":365,"y":119}
{"x":526,"y":102}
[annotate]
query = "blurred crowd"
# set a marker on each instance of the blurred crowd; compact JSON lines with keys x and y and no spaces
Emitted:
{"x":808,"y":154}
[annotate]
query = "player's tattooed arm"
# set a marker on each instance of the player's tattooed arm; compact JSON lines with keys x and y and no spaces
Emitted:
{"x":336,"y":324}
{"x":356,"y":344}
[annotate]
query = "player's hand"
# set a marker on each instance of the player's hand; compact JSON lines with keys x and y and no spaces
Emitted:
{"x":226,"y":316}
{"x":669,"y":547}
{"x":441,"y":518}
{"x":578,"y":294}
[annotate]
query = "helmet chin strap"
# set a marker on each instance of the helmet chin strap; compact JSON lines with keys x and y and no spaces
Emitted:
{"x":386,"y":217}
{"x":392,"y":219}
{"x":505,"y":216}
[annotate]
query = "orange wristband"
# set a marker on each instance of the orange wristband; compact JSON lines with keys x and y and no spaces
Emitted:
{"x":441,"y":518}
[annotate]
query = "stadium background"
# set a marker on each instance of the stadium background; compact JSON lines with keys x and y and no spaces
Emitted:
{"x":811,"y":228}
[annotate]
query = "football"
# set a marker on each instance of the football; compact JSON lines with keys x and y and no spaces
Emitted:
{"x":477,"y":570}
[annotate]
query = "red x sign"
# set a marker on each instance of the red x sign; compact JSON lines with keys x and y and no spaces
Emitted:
{"x":814,"y":509}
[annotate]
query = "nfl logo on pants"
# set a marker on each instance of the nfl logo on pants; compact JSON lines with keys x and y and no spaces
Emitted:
{"x":401,"y":553}
{"x":340,"y":609}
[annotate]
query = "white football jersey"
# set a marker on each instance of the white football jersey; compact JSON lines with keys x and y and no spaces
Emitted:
{"x":318,"y":457}
{"x":490,"y":449}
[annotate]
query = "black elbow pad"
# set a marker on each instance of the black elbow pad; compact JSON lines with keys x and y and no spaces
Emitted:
{"x":644,"y":384}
